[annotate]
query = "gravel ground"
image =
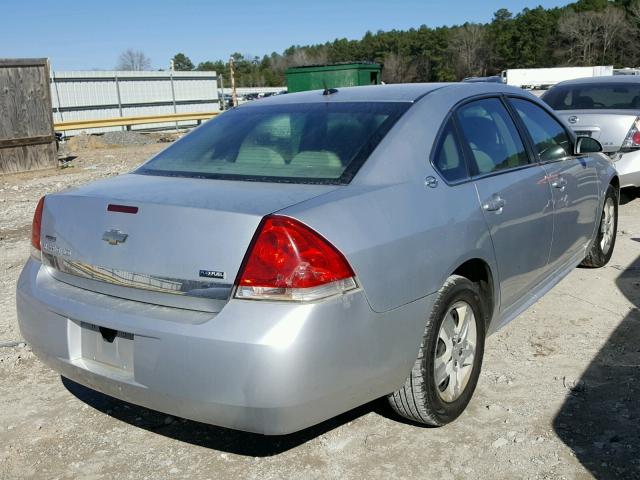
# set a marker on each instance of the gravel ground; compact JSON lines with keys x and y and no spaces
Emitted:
{"x":557,"y":398}
{"x":127,"y":138}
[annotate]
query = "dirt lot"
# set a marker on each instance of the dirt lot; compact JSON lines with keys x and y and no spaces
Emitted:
{"x":557,"y":399}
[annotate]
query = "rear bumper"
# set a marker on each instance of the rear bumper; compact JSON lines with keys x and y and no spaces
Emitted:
{"x":628,"y":167}
{"x":265,"y":367}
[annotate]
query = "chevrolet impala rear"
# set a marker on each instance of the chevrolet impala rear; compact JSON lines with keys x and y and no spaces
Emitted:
{"x":302,"y":255}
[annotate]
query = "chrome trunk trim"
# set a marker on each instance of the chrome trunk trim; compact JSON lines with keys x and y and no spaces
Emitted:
{"x":142,"y":281}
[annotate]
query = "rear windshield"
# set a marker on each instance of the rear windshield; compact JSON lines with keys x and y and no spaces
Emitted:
{"x":300,"y":143}
{"x":615,"y":96}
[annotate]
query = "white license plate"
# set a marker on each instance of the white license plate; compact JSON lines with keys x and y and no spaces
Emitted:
{"x":107,"y":346}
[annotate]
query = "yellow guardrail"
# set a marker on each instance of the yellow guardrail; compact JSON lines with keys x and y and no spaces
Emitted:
{"x":126,"y":121}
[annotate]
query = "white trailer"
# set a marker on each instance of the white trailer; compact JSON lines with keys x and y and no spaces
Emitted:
{"x":534,"y":78}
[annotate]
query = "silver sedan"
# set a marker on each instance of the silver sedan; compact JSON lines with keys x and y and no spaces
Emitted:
{"x":302,"y":255}
{"x":607,"y":109}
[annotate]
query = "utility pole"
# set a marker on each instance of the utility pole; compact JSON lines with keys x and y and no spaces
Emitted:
{"x":234,"y":96}
{"x":221,"y":104}
{"x":173,"y":91}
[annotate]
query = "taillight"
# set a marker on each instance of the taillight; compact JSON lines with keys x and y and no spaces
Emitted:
{"x":632,"y":140}
{"x":36,"y":226}
{"x":289,"y":261}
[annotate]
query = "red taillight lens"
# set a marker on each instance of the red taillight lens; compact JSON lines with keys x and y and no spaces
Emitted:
{"x":37,"y":225}
{"x":288,"y":260}
{"x":632,"y":140}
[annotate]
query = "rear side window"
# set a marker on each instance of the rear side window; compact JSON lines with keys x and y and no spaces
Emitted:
{"x":491,"y":135}
{"x":550,"y":139}
{"x":448,"y":158}
{"x":614,"y":96}
{"x":301,"y":143}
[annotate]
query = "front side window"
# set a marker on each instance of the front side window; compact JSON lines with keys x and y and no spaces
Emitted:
{"x":448,"y":158}
{"x":301,"y":143}
{"x":491,"y":136}
{"x":550,"y":139}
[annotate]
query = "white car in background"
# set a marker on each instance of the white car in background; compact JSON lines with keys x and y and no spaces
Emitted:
{"x":607,"y":109}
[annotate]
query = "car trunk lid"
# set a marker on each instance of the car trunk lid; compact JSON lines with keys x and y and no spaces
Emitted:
{"x":609,"y":127}
{"x":176,"y":242}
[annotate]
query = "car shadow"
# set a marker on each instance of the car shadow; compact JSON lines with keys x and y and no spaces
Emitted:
{"x":600,"y":420}
{"x":213,"y":437}
{"x":629,"y":194}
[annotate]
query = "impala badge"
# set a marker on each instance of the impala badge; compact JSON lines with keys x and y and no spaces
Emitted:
{"x":572,"y":119}
{"x":114,"y":237}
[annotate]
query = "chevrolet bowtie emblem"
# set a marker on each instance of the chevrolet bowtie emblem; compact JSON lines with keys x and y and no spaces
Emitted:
{"x":114,"y":237}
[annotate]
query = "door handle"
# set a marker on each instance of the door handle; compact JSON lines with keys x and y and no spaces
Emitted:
{"x":560,"y":183}
{"x":496,"y":204}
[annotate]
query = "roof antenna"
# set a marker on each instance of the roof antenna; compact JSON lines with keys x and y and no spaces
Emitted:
{"x":328,"y":91}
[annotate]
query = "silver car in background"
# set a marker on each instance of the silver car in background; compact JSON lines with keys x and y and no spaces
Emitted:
{"x":302,"y":255}
{"x":607,"y":109}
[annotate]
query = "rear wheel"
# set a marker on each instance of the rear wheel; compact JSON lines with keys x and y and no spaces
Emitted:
{"x":445,"y":374}
{"x":602,"y":247}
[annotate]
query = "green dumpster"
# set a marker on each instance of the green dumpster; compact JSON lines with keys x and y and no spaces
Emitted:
{"x":315,"y":77}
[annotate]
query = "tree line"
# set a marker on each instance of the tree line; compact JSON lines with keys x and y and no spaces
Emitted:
{"x":586,"y":32}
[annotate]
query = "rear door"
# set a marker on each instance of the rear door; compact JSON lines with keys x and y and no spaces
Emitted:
{"x":573,"y":178}
{"x":513,"y":193}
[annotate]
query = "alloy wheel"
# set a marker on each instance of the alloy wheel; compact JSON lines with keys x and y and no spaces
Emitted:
{"x":455,"y":351}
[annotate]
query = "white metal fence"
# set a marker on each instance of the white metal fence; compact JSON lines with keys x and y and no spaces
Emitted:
{"x":91,"y":95}
{"x":95,"y":95}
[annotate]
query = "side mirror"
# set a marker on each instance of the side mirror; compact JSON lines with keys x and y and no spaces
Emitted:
{"x":554,"y":152}
{"x":587,"y":145}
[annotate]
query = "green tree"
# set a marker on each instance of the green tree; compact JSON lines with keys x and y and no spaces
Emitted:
{"x":589,"y":5}
{"x":500,"y":34}
{"x":182,"y":63}
{"x":208,"y":66}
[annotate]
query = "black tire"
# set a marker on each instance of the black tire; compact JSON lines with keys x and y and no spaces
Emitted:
{"x":419,"y":399}
{"x":596,"y":257}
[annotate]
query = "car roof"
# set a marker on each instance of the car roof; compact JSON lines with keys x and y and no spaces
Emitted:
{"x":397,"y":92}
{"x":601,"y":80}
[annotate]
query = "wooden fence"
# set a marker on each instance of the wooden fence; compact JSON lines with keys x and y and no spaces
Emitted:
{"x":27,"y":140}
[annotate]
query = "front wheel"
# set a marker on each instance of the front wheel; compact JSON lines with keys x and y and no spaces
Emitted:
{"x":445,"y":374}
{"x":602,"y":248}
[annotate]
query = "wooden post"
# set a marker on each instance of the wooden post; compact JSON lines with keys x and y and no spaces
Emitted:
{"x":221,"y":106}
{"x":234,"y":97}
{"x":27,"y":140}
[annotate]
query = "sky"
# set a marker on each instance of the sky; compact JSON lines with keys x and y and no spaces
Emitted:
{"x":89,"y":34}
